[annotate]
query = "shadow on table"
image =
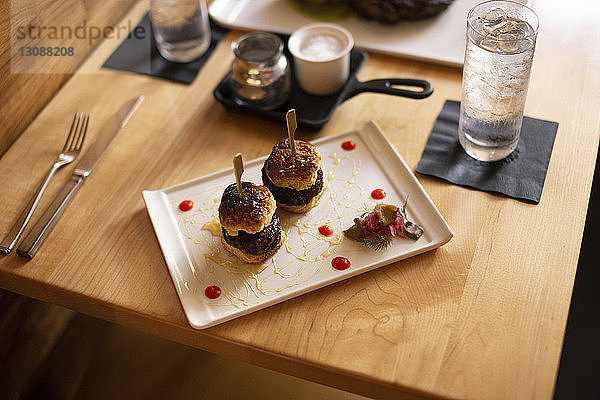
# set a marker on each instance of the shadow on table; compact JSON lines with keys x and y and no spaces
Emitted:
{"x":580,"y":361}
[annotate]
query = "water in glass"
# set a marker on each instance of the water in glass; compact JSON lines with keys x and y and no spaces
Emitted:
{"x":498,"y":58}
{"x":181,"y":28}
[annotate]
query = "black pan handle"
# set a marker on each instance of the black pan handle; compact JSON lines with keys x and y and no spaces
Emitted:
{"x":386,"y":86}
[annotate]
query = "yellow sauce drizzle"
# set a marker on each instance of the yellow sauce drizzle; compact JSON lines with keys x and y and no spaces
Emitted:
{"x":336,"y":159}
{"x":245,"y":284}
{"x":214,"y":227}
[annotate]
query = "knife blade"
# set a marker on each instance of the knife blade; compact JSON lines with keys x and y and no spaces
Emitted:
{"x":40,"y":231}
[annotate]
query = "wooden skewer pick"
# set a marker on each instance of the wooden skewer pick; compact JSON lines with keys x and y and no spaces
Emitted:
{"x":238,"y":168}
{"x":290,"y":117}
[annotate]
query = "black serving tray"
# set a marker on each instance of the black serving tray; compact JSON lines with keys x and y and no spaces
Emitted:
{"x":314,"y":111}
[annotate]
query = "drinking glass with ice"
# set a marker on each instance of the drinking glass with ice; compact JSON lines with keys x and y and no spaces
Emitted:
{"x":501,"y":37}
{"x":181,"y":28}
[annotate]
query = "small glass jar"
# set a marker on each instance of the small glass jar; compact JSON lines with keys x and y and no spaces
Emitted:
{"x":260,"y":74}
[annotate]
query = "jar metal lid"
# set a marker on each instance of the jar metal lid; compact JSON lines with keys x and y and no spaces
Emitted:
{"x":257,"y":47}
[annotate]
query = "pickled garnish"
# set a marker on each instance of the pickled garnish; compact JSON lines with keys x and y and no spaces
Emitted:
{"x":387,"y":213}
{"x":378,"y":227}
{"x":377,"y":241}
{"x":356,"y":231}
{"x":412,"y":230}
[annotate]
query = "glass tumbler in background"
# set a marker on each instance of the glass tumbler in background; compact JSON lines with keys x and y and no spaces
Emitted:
{"x":181,"y":28}
{"x":501,"y":38}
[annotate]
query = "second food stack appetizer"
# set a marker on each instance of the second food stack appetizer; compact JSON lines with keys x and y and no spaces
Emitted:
{"x":250,"y":226}
{"x":293,"y":172}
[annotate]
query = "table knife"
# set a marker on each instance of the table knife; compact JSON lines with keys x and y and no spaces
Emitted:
{"x":40,"y":231}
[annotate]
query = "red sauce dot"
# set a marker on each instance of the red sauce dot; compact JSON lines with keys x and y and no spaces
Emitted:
{"x":186,"y":205}
{"x":378,"y":194}
{"x":212,"y":292}
{"x":348,"y":145}
{"x":325,"y":230}
{"x":340,"y":263}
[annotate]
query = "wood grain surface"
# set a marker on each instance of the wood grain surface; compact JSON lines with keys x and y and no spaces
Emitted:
{"x":482,"y":317}
{"x":25,"y":90}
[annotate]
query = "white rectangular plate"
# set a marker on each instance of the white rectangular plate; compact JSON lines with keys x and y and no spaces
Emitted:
{"x":440,"y":39}
{"x":196,"y":259}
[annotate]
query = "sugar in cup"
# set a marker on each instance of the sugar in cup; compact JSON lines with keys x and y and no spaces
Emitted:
{"x":321,"y":55}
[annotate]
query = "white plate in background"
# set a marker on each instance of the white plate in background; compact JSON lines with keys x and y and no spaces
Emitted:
{"x":440,"y":39}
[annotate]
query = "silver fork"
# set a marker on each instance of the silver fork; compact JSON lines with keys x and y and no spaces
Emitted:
{"x":69,"y":152}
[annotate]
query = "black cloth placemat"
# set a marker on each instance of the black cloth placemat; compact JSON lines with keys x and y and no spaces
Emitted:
{"x":521,"y":175}
{"x":138,"y":53}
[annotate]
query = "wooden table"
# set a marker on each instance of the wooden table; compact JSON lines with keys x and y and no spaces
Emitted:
{"x":482,"y":317}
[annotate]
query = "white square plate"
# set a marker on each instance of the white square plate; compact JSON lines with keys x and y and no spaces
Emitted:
{"x":196,"y":258}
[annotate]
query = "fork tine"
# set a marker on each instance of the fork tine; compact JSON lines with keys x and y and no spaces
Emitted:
{"x":69,"y":139}
{"x":82,"y":132}
{"x":77,"y":130}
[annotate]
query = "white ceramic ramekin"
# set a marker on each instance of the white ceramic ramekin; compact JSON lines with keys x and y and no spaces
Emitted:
{"x":321,"y":54}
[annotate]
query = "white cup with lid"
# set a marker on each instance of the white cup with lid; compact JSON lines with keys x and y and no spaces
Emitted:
{"x":321,"y":54}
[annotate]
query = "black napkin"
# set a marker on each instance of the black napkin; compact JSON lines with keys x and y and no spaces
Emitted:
{"x":138,"y":53}
{"x":521,"y":175}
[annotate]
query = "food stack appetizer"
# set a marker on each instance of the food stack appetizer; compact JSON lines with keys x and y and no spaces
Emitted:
{"x":250,"y":226}
{"x":293,"y":172}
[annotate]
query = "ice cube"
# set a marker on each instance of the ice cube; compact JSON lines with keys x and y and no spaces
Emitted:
{"x":509,"y":43}
{"x":512,"y":36}
{"x":489,"y":44}
{"x":504,"y":27}
{"x":525,"y":29}
{"x":493,"y":17}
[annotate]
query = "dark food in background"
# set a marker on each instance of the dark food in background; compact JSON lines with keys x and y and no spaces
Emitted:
{"x":320,"y":2}
{"x":291,"y":196}
{"x":256,"y":243}
{"x":392,"y":11}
